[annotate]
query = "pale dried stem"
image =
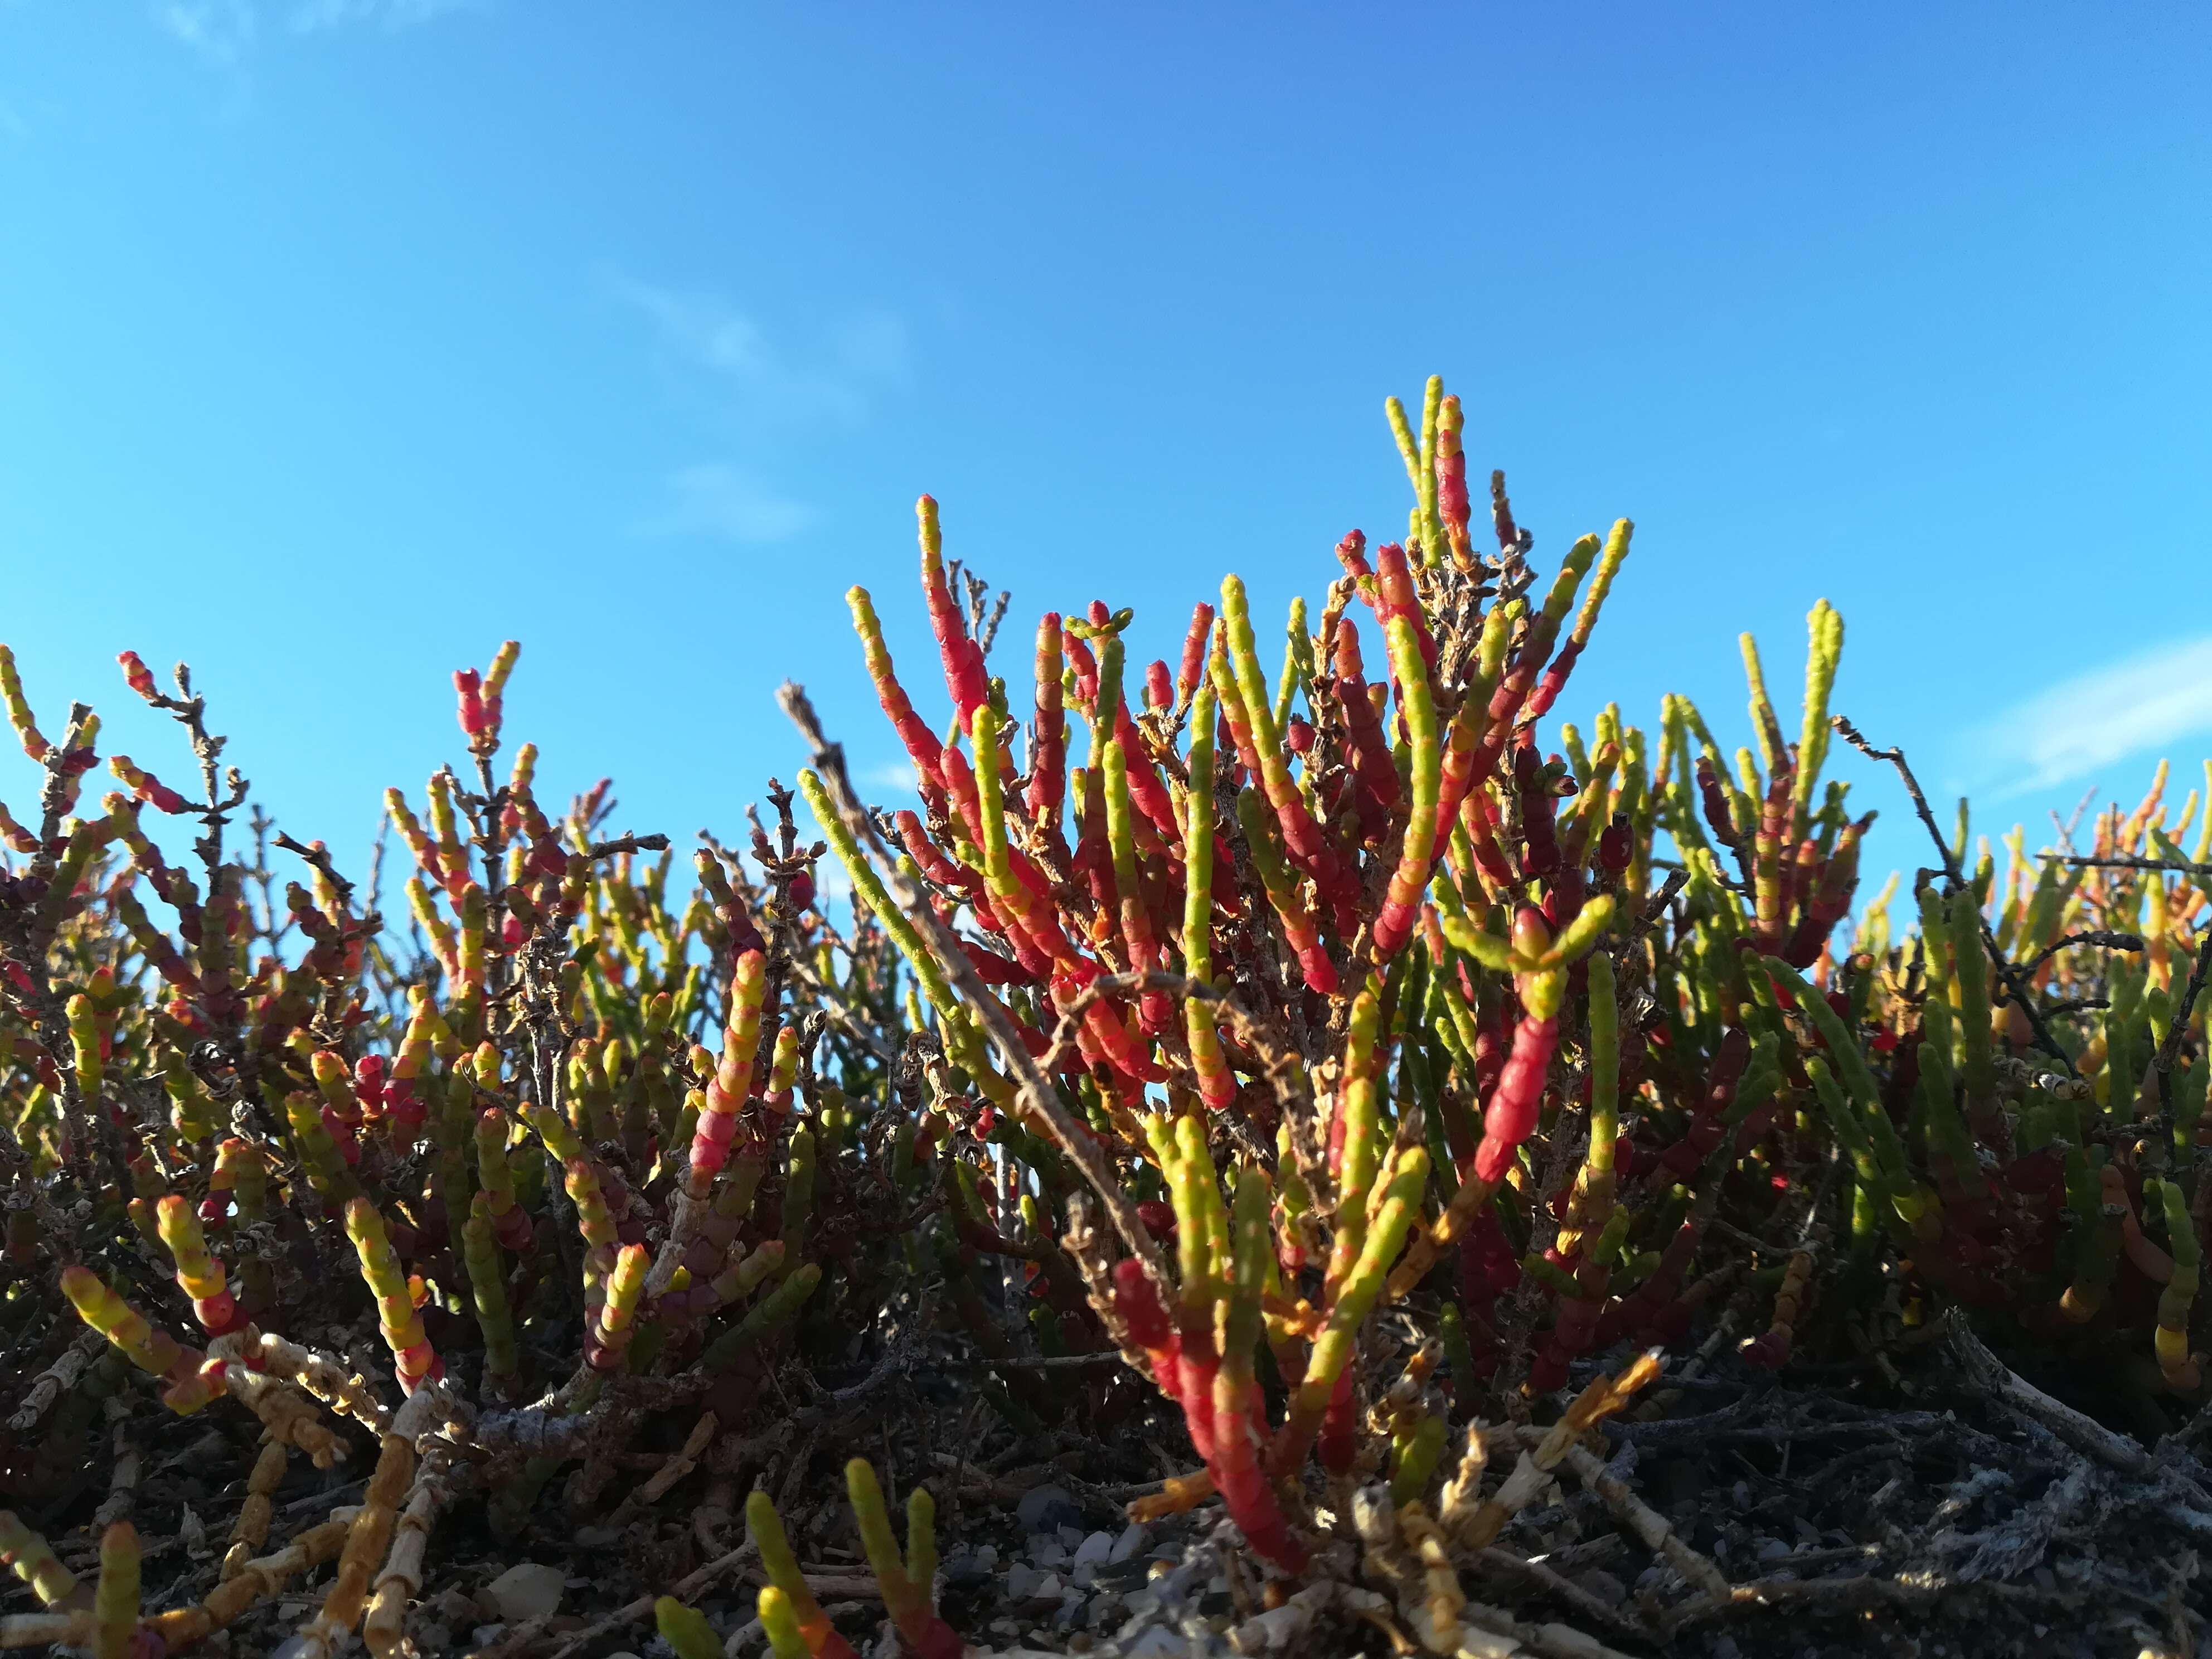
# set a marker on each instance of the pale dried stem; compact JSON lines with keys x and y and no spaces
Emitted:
{"x":56,"y":1380}
{"x":286,"y":1414}
{"x":1650,"y":1528}
{"x":252,"y":1530}
{"x":330,"y":1380}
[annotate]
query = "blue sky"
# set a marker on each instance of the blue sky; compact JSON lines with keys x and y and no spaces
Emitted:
{"x":340,"y":339}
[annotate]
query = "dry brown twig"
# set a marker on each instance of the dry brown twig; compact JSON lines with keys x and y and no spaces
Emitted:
{"x":2015,"y":981}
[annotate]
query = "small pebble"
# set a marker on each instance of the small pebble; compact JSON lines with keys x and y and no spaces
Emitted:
{"x":966,"y":1569}
{"x":528,"y":1591}
{"x":1158,"y":1643}
{"x":1602,"y":1585}
{"x":1043,"y":1507}
{"x":1047,"y":1551}
{"x":1133,"y":1540}
{"x":1121,"y":1576}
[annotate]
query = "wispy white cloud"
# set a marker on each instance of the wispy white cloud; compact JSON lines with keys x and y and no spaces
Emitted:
{"x":767,"y":392}
{"x":221,"y":30}
{"x":309,"y":16}
{"x":2067,"y":732}
{"x":718,"y":498}
{"x":225,"y":32}
{"x":768,"y":383}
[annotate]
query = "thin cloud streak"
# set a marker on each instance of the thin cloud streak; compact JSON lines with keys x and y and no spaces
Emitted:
{"x":768,"y":393}
{"x":220,"y":31}
{"x":2145,"y":702}
{"x":866,"y":355}
{"x":311,"y":16}
{"x":717,"y":498}
{"x":224,"y":32}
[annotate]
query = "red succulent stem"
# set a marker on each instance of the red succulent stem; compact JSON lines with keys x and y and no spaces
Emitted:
{"x":1240,"y":1475}
{"x":1048,"y":782}
{"x":965,"y":680}
{"x":1352,"y":554}
{"x":1574,"y":1328}
{"x":1478,"y":816}
{"x":1337,"y":1444}
{"x":1085,"y":664}
{"x":1192,"y":666}
{"x":922,"y":744}
{"x":1159,"y":687}
{"x":1539,"y":827}
{"x":1709,"y":1122}
{"x":1147,"y":790}
{"x":1365,"y":747}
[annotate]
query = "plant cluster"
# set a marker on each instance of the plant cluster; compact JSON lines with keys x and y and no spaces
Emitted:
{"x":1315,"y":1052}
